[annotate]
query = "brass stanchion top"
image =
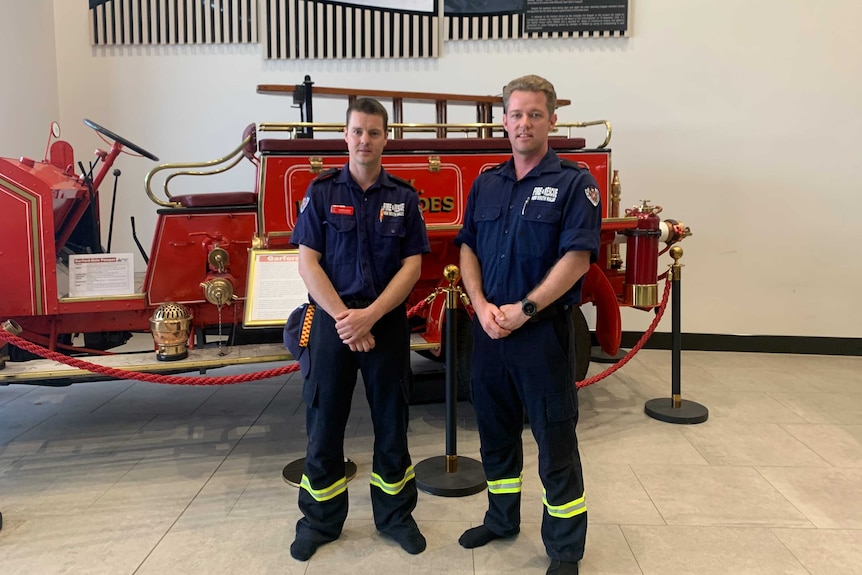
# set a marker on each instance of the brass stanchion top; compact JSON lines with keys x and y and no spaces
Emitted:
{"x":451,"y":273}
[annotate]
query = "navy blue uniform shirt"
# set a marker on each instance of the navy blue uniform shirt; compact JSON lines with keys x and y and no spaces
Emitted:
{"x":520,"y":229}
{"x":363,"y":236}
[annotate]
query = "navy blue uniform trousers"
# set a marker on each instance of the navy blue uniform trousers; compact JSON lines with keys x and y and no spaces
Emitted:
{"x":327,"y":392}
{"x":531,"y":370}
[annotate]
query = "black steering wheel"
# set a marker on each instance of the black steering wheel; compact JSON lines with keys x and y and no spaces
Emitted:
{"x":109,"y":134}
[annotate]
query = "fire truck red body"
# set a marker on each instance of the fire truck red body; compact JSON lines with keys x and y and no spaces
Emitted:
{"x":199,"y":256}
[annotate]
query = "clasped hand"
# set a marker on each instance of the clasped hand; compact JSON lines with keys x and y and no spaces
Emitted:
{"x":499,"y":322}
{"x":354,"y":328}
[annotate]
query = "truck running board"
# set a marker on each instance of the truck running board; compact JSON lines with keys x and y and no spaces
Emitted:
{"x":49,"y":372}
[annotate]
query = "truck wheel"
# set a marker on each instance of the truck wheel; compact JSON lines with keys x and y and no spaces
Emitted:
{"x":583,"y":344}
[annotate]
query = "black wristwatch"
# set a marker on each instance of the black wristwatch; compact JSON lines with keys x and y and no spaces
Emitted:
{"x":528,"y":307}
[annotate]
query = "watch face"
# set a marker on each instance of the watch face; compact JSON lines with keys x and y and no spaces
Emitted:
{"x":528,"y":307}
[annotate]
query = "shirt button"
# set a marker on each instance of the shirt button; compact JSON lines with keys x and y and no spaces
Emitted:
{"x":511,"y":206}
{"x":505,"y":231}
{"x":502,"y":257}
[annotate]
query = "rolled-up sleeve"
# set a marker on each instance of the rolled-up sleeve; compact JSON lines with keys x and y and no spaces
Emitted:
{"x":582,"y":221}
{"x":467,"y":234}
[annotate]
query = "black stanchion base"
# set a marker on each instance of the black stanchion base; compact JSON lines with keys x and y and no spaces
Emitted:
{"x":598,"y":355}
{"x":432,"y":477}
{"x":292,"y":472}
{"x":688,"y":411}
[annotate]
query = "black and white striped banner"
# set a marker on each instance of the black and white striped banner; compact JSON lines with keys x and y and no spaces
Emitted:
{"x":135,"y":22}
{"x":301,"y":29}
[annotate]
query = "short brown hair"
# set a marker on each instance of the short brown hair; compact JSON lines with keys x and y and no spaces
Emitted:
{"x":531,"y":83}
{"x":368,"y":106}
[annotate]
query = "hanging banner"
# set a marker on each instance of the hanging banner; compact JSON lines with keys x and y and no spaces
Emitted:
{"x":357,"y":29}
{"x":154,"y":22}
{"x":509,"y":19}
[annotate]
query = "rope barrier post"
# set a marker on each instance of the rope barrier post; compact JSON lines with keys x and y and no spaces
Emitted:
{"x":676,"y":409}
{"x":450,"y":475}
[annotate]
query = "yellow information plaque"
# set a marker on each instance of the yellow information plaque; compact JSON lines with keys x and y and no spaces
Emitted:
{"x":274,"y":288}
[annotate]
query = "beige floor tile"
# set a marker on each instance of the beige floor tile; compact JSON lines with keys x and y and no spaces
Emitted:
{"x":824,"y":551}
{"x":361,"y":549}
{"x":840,"y":445}
{"x":841,"y":375}
{"x":744,"y":406}
{"x":616,"y":496}
{"x":523,"y":554}
{"x":764,"y":376}
{"x":831,"y":498}
{"x":92,"y":543}
{"x":228,"y":546}
{"x":608,"y":436}
{"x":678,"y":550}
{"x":714,"y":495}
{"x":607,"y":552}
{"x":815,"y":407}
{"x":728,"y":442}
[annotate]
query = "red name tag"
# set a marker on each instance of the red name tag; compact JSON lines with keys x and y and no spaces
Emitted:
{"x":341,"y":210}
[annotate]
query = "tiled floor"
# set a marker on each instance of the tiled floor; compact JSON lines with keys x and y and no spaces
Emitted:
{"x":122,"y":477}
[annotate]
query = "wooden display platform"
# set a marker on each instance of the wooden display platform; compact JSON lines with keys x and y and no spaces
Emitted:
{"x":199,"y":359}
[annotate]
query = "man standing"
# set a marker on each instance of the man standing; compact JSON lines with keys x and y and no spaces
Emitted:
{"x":531,"y":231}
{"x":361,"y":237}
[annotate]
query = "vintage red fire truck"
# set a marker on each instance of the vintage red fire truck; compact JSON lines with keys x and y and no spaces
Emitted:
{"x":199,"y":257}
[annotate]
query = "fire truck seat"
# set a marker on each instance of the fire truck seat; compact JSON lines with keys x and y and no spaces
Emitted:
{"x":224,"y":199}
{"x":216,"y":199}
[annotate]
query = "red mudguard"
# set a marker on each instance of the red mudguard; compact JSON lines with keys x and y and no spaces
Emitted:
{"x":598,"y":289}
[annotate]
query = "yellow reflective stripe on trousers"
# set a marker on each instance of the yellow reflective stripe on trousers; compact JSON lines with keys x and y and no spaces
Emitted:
{"x":392,"y":488}
{"x":500,"y":486}
{"x":327,"y":493}
{"x":566,"y":510}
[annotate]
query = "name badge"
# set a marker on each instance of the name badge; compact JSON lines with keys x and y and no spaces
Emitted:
{"x":341,"y":210}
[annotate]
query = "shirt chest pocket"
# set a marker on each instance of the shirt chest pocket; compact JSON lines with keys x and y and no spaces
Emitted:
{"x":538,"y":230}
{"x":390,"y":227}
{"x":341,"y":239}
{"x":387,"y":238}
{"x":486,"y":214}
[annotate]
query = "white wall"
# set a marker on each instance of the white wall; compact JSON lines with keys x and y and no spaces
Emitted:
{"x":28,"y":96}
{"x":740,"y":118}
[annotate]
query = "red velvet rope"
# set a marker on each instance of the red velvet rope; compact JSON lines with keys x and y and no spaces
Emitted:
{"x":637,"y":347}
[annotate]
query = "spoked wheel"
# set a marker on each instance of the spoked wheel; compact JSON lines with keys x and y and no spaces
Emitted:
{"x":126,"y":143}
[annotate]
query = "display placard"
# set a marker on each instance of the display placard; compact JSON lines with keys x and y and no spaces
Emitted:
{"x":577,"y":16}
{"x":95,"y":275}
{"x":274,"y":287}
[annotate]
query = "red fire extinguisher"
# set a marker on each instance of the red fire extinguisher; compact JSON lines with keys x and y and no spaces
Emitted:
{"x":642,"y":256}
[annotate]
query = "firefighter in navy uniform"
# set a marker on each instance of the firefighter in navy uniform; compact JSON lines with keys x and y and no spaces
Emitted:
{"x":531,"y":231}
{"x":361,"y":237}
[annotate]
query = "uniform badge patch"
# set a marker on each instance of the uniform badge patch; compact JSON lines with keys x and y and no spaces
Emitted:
{"x":392,"y":210}
{"x":303,"y":205}
{"x":593,"y":195}
{"x":544,"y":194}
